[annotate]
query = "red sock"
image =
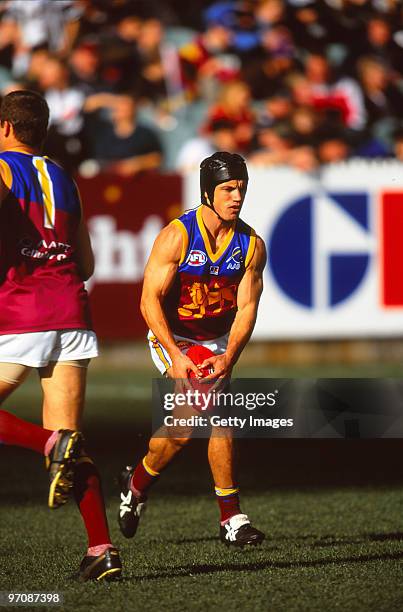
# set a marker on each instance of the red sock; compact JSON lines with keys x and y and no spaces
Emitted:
{"x":89,"y":498}
{"x":16,"y":432}
{"x":142,"y":479}
{"x":228,"y":502}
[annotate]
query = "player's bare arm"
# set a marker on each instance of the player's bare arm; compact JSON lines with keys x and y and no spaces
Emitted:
{"x":4,"y":180}
{"x":159,"y":275}
{"x":249,"y":292}
{"x":84,"y":254}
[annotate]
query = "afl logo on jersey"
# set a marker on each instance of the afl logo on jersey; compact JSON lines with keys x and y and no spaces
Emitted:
{"x":235,"y":259}
{"x":196,"y":258}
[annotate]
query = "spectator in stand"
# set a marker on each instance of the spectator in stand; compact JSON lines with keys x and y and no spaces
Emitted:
{"x":119,"y":143}
{"x":378,"y":41}
{"x":65,"y":142}
{"x":276,"y":145}
{"x":233,"y":105}
{"x":41,"y":22}
{"x":332,"y":145}
{"x":206,"y":62}
{"x":376,"y":37}
{"x":266,"y":69}
{"x":96,"y":68}
{"x":85,"y":66}
{"x":277,"y":108}
{"x":300,"y":89}
{"x":152,"y":83}
{"x":328,"y":93}
{"x":382,"y":98}
{"x":37,"y":65}
{"x":239,"y":19}
{"x":160,"y":78}
{"x":304,"y":122}
{"x":221,"y":137}
{"x":312,"y":24}
{"x":121,"y":61}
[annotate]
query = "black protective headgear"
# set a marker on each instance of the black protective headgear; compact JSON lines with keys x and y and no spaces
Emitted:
{"x":219,"y":168}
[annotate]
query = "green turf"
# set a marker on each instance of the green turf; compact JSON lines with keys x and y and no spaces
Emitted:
{"x":338,"y":549}
{"x":333,"y":512}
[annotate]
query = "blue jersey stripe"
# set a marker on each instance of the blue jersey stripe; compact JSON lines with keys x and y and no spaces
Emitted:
{"x":26,"y":184}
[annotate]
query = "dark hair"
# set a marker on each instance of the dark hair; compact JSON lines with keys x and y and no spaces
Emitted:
{"x":219,"y":168}
{"x":28,"y":113}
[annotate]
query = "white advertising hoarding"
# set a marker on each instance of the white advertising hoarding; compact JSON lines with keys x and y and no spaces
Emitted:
{"x":335,"y":246}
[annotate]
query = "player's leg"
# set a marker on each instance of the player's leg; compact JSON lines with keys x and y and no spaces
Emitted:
{"x":13,"y":430}
{"x":235,"y":527}
{"x":63,"y":385}
{"x":135,"y":482}
{"x":20,"y":353}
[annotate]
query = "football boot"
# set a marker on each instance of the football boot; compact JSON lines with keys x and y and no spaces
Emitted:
{"x":60,"y":464}
{"x":131,"y":507}
{"x":239,"y":532}
{"x":106,"y":566}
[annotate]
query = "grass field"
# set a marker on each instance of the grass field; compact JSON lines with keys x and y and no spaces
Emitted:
{"x":332,"y":511}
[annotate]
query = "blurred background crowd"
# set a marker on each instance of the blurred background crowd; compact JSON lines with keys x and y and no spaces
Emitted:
{"x":160,"y":84}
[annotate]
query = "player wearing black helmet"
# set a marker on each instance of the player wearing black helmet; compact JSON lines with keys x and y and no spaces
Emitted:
{"x":202,"y":286}
{"x":220,"y":168}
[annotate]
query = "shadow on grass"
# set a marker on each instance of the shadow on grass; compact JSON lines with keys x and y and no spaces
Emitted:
{"x":195,"y":570}
{"x":322,"y":541}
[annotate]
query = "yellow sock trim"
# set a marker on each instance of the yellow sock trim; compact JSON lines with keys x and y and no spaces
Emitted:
{"x":223,"y":492}
{"x":149,"y":470}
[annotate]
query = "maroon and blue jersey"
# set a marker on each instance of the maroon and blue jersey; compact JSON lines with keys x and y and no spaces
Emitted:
{"x":202,"y":302}
{"x":40,"y":286}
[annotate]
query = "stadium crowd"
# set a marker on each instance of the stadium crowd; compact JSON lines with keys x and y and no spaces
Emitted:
{"x":145,"y":84}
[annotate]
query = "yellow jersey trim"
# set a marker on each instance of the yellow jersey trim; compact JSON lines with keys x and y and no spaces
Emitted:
{"x":185,"y":242}
{"x":6,"y":174}
{"x":47,"y":191}
{"x":251,"y":247}
{"x":224,"y":246}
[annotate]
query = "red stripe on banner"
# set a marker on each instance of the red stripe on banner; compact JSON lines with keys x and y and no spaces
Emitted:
{"x":392,"y":248}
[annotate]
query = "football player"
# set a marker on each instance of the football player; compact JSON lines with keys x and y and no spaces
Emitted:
{"x":202,"y":286}
{"x":44,"y":319}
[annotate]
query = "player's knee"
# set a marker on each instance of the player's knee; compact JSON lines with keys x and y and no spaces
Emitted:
{"x":180,"y":442}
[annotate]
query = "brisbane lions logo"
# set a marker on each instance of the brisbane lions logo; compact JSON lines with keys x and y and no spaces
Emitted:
{"x":235,"y":259}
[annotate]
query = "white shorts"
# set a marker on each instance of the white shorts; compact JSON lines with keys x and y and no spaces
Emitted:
{"x":37,"y":349}
{"x":163,"y":361}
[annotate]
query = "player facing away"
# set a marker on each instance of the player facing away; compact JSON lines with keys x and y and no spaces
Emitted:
{"x":45,"y":256}
{"x":202,"y":286}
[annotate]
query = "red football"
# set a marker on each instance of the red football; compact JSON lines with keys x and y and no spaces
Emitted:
{"x":198,"y":354}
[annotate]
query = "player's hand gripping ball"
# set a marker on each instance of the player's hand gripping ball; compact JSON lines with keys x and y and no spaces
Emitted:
{"x":198,"y":354}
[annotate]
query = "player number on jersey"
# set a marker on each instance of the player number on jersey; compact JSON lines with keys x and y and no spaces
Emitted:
{"x":47,"y":192}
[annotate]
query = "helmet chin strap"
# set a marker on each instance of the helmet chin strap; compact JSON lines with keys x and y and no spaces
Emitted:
{"x":211,"y":205}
